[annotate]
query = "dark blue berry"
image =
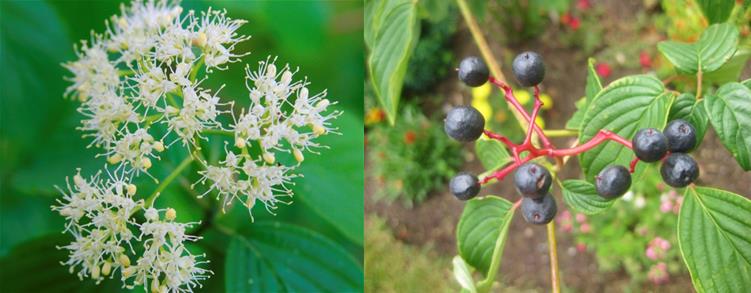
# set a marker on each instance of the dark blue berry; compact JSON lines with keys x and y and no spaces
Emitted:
{"x":532,"y":180}
{"x":679,"y":170}
{"x":473,"y":72}
{"x":528,"y":68}
{"x":464,"y":186}
{"x":650,"y":145}
{"x":464,"y":123}
{"x":681,"y":136}
{"x":613,"y":181}
{"x":540,"y":211}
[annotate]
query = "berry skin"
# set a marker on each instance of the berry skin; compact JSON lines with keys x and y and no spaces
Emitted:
{"x":464,"y":123}
{"x":532,"y":180}
{"x":528,"y":68}
{"x":613,"y":181}
{"x":473,"y":71}
{"x":539,"y":212}
{"x":681,"y":136}
{"x":464,"y":186}
{"x":679,"y":170}
{"x":650,"y":145}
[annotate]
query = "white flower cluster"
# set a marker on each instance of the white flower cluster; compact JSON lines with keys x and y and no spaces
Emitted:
{"x":101,"y":217}
{"x":141,"y":72}
{"x":139,"y":84}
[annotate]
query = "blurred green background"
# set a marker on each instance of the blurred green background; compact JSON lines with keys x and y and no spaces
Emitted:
{"x":315,"y":244}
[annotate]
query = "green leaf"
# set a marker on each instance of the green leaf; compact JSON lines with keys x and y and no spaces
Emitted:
{"x":714,"y":239}
{"x":747,"y":83}
{"x":492,"y":153}
{"x":623,"y":107}
{"x":576,"y":120}
{"x":731,"y":70}
{"x":730,"y":114}
{"x":481,"y":232}
{"x":34,"y":266}
{"x":336,"y":193}
{"x":687,"y":108}
{"x":33,"y":42}
{"x":582,"y":197}
{"x":715,"y":46}
{"x":716,"y":11}
{"x":393,"y":31}
{"x":267,"y":257}
{"x":463,"y":275}
{"x":593,"y":87}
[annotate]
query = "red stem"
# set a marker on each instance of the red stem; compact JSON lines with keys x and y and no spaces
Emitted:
{"x":548,"y":150}
{"x":632,"y":166}
{"x":601,"y":137}
{"x":509,"y":95}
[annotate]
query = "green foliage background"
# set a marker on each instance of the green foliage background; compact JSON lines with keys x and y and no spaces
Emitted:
{"x":40,"y":145}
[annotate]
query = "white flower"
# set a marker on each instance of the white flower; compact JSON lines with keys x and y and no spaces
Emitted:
{"x":135,"y":149}
{"x":218,"y":36}
{"x":93,"y":74}
{"x":244,"y":179}
{"x":99,"y":215}
{"x":199,"y":112}
{"x":270,"y":123}
{"x":166,"y":265}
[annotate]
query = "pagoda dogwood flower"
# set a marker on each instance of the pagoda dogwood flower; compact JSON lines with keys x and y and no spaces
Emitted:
{"x":140,"y":85}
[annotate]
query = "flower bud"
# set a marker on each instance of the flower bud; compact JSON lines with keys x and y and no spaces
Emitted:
{"x":106,"y":268}
{"x":269,"y":158}
{"x":95,"y":272}
{"x":322,"y":104}
{"x":239,"y":142}
{"x":170,"y":214}
{"x":146,"y":162}
{"x":114,"y":159}
{"x":159,"y":146}
{"x":131,"y":189}
{"x":78,"y":180}
{"x":318,"y":130}
{"x":298,"y":155}
{"x":124,"y":260}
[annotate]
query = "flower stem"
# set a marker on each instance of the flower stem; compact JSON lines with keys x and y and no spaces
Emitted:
{"x":561,"y":132}
{"x":154,"y":195}
{"x":553,"y":248}
{"x":219,"y":132}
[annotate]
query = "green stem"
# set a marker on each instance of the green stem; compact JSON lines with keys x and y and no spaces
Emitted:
{"x":561,"y":132}
{"x":154,"y":195}
{"x":219,"y":132}
{"x":555,"y":276}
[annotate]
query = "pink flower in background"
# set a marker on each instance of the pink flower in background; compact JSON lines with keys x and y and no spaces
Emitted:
{"x":565,"y":222}
{"x":581,"y":218}
{"x":658,"y":273}
{"x":645,"y":60}
{"x":571,"y":21}
{"x":603,"y":70}
{"x":670,"y":202}
{"x":583,"y":4}
{"x":657,"y":248}
{"x":585,"y":228}
{"x":581,"y":247}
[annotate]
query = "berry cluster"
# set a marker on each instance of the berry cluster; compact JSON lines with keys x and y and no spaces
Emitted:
{"x":678,"y":169}
{"x":532,"y":180}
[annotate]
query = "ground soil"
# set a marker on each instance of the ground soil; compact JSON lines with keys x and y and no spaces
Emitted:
{"x":433,"y":221}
